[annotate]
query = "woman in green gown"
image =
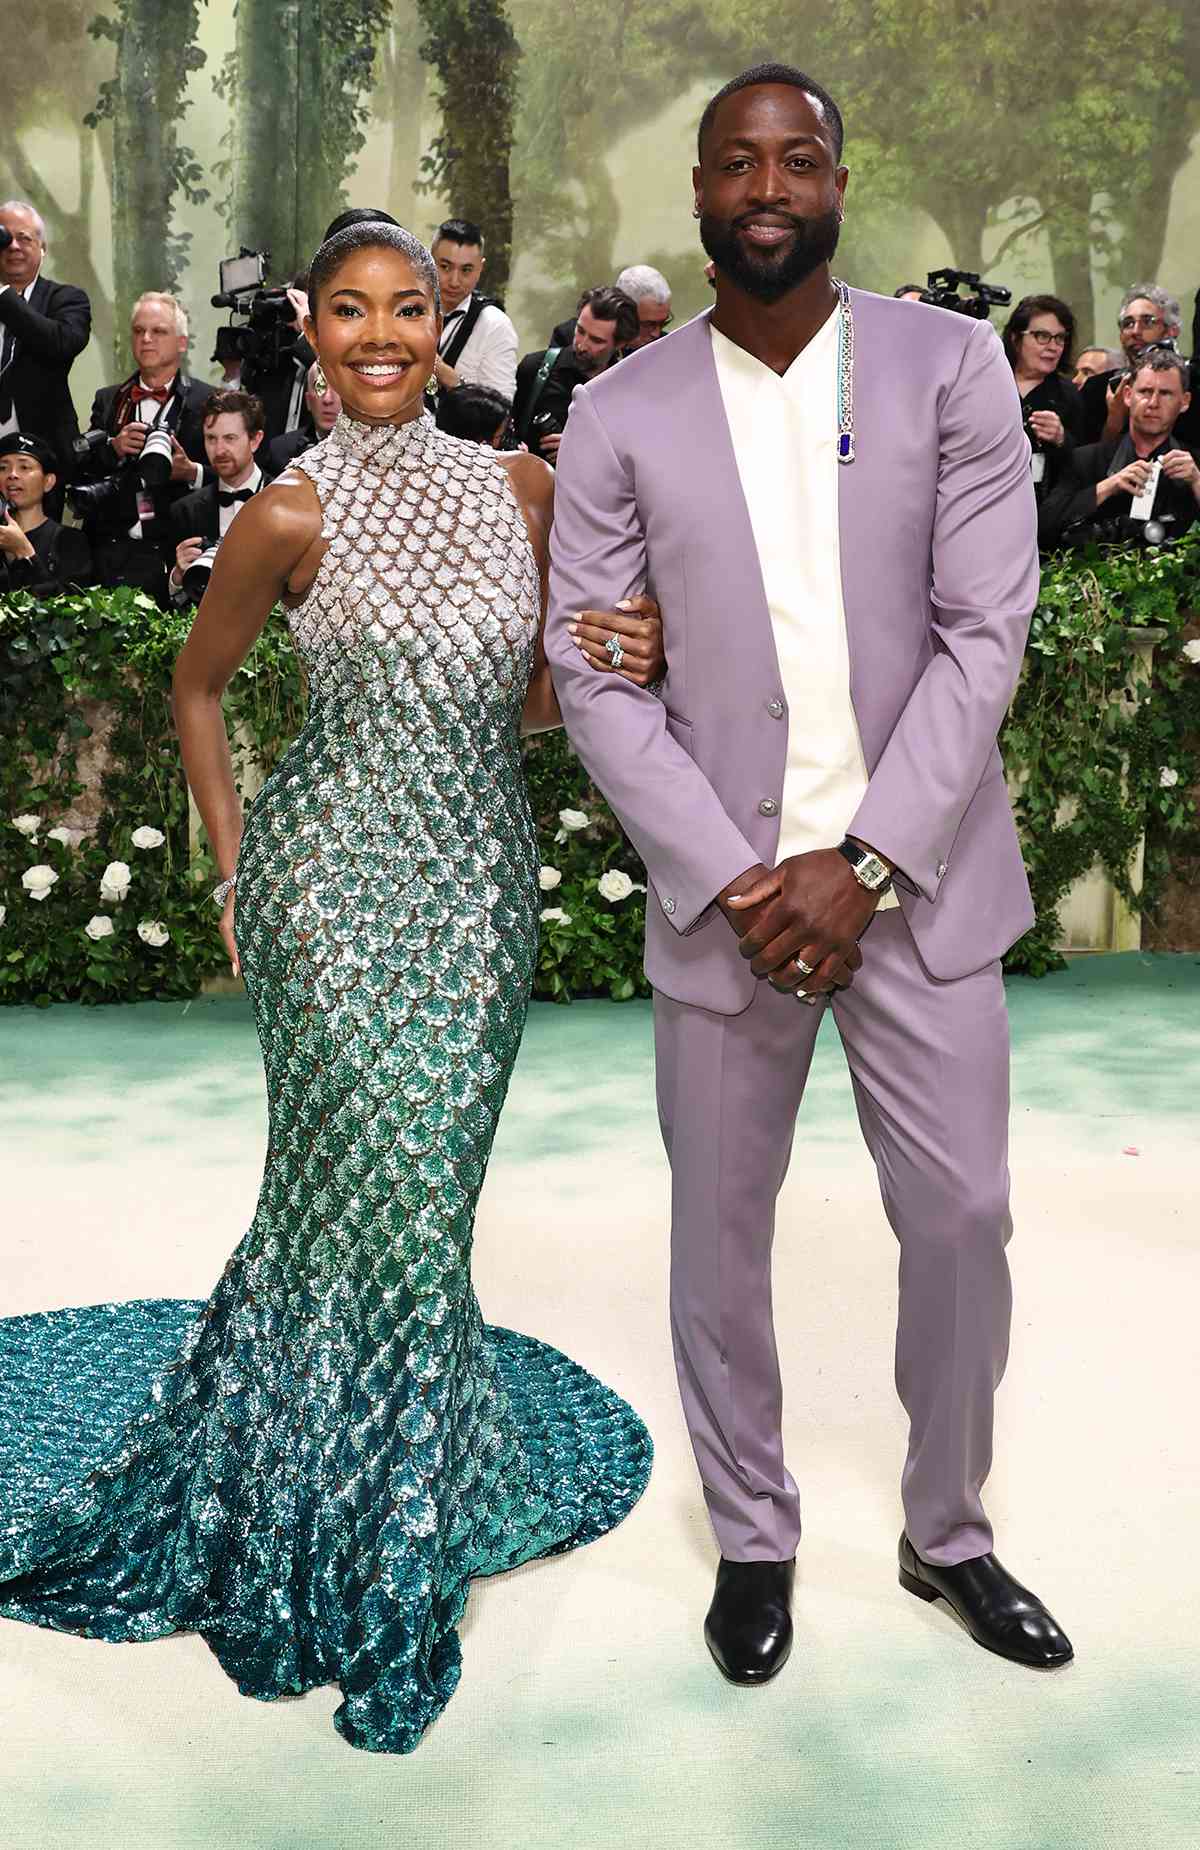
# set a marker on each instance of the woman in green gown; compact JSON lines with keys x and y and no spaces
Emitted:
{"x":309,"y":1468}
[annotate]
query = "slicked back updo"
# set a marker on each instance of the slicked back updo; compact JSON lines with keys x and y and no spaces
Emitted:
{"x":371,"y":235}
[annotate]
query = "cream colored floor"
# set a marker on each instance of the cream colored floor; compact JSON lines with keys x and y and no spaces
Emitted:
{"x":589,"y":1714}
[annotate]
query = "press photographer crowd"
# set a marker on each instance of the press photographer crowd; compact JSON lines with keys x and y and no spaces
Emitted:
{"x":146,"y":493}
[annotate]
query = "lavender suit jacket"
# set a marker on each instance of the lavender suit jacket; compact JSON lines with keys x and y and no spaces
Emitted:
{"x":939,"y":577}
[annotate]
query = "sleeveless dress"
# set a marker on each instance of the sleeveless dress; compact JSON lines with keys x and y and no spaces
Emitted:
{"x":309,"y":1468}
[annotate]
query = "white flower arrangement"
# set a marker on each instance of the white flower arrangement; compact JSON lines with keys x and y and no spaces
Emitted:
{"x":146,"y":837}
{"x":549,"y":878}
{"x":1191,"y":651}
{"x":1168,"y":777}
{"x":153,"y":932}
{"x":69,"y":838}
{"x":38,"y":881}
{"x":614,"y":886}
{"x":554,"y":915}
{"x":99,"y":926}
{"x":114,"y":882}
{"x":572,"y":819}
{"x":28,"y":825}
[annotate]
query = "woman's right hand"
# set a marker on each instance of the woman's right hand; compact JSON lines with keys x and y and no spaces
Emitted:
{"x":227,"y":937}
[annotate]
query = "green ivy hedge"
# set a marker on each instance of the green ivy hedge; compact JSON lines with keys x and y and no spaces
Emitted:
{"x":111,"y":906}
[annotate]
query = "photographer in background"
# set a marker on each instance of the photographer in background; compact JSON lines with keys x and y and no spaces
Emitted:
{"x":1142,"y":486}
{"x":1092,"y":360}
{"x":36,"y":553}
{"x":1148,"y":317}
{"x":278,"y":358}
{"x":321,"y":408}
{"x":233,"y":431}
{"x":478,"y":344}
{"x":476,"y":413}
{"x":44,"y":326}
{"x":606,"y":327}
{"x":144,"y":450}
{"x":1038,"y":338}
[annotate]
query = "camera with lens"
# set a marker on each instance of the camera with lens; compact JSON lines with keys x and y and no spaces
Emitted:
{"x":151,"y":466}
{"x":195,"y":579}
{"x":544,"y":424}
{"x":262,"y":320}
{"x":6,"y":237}
{"x":942,"y":287}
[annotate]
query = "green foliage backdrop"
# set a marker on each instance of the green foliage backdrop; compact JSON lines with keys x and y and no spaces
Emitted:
{"x":109,"y":905}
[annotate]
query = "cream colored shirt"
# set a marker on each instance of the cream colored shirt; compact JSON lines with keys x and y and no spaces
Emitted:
{"x":784,"y":433}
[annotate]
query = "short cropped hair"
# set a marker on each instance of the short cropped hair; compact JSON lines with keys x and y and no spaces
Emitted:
{"x":370,"y":234}
{"x":236,"y":404}
{"x":1162,"y":360}
{"x":645,"y":284}
{"x":776,"y":74}
{"x":173,"y":303}
{"x":458,"y":231}
{"x":1166,"y":305}
{"x":609,"y":304}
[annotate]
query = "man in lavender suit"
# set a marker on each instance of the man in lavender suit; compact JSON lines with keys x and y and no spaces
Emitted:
{"x":828,"y":493}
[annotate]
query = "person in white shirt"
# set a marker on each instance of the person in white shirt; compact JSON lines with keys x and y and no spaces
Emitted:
{"x":233,"y":431}
{"x":478,"y":344}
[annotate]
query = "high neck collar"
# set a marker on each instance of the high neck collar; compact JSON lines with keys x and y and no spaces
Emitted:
{"x":384,"y":446}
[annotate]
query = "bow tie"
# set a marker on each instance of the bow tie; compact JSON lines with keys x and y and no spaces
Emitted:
{"x":228,"y":496}
{"x":160,"y":392}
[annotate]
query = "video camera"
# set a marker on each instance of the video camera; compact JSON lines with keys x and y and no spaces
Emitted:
{"x":942,"y":287}
{"x":262,"y":319}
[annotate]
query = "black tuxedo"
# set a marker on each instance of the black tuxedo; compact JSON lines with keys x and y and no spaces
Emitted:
{"x":1069,"y":515}
{"x":197,"y":513}
{"x":121,"y":559}
{"x":281,"y":452}
{"x":62,"y":557}
{"x":41,"y":339}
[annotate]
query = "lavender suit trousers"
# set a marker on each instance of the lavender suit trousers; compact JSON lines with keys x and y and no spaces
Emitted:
{"x":929,"y":1065}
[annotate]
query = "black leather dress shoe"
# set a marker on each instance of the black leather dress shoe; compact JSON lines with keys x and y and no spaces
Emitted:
{"x":1000,"y":1614}
{"x":749,"y":1624}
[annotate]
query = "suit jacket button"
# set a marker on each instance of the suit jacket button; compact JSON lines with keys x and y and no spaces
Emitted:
{"x":775,"y":709}
{"x":768,"y":807}
{"x":668,"y":905}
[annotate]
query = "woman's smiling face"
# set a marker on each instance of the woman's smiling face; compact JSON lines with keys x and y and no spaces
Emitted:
{"x":376,"y":330}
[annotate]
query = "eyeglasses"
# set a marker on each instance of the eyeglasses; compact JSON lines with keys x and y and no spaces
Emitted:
{"x":1044,"y":338}
{"x":28,"y":238}
{"x":1140,"y":321}
{"x":655,"y":327}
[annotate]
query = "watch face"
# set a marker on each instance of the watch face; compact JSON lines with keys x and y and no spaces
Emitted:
{"x":871,"y":871}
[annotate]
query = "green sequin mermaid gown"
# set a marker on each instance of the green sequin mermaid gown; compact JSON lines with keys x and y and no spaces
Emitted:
{"x":309,"y":1468}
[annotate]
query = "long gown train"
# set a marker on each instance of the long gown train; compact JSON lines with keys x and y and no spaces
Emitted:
{"x":309,"y":1468}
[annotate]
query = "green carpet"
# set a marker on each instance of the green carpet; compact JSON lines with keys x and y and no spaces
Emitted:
{"x":589,"y":1714}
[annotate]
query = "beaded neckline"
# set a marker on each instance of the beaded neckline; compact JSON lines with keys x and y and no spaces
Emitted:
{"x":386,"y":446}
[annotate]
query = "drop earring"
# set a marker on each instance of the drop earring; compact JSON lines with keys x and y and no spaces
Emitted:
{"x":320,"y":382}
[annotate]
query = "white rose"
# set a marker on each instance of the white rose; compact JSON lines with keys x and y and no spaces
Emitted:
{"x":1168,"y":777}
{"x":146,"y":837}
{"x":153,"y":931}
{"x":37,"y":881}
{"x":3,"y":914}
{"x":1191,"y":651}
{"x":99,"y":926}
{"x":548,"y":878}
{"x":68,"y":837}
{"x":28,"y":825}
{"x":114,"y":882}
{"x":614,"y":885}
{"x":574,"y":819}
{"x":554,"y":915}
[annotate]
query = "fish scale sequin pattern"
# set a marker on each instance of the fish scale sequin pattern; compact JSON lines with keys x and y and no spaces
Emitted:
{"x":310,"y":1467}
